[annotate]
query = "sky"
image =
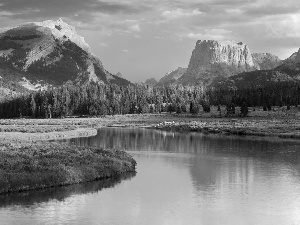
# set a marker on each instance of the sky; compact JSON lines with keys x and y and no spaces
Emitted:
{"x":148,"y":38}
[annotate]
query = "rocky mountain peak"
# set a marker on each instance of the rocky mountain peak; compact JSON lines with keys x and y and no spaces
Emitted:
{"x":212,"y":58}
{"x":64,"y":32}
{"x":229,"y":52}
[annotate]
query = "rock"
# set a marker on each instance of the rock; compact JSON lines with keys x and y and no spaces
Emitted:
{"x":266,"y":61}
{"x":172,"y":76}
{"x":211,"y":59}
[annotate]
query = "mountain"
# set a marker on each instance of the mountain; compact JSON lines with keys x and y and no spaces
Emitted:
{"x":50,"y":53}
{"x":287,"y":72}
{"x":294,"y":58}
{"x":211,"y":59}
{"x":172,"y":76}
{"x":266,"y":61}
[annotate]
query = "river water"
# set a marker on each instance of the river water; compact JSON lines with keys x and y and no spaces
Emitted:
{"x":181,"y":179}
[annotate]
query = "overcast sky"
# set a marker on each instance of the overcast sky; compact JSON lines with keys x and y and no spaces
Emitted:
{"x":148,"y":38}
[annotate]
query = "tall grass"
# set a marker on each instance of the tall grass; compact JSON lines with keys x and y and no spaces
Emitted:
{"x":45,"y":164}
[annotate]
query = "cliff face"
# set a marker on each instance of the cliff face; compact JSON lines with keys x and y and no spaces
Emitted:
{"x":266,"y":61}
{"x":172,"y":76}
{"x":211,"y":59}
{"x":50,"y":53}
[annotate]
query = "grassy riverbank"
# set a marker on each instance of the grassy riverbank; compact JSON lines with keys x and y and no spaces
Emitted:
{"x":28,"y":161}
{"x":44,"y":164}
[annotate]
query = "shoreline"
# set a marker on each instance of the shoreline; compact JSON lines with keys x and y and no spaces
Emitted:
{"x":57,"y":135}
{"x":229,"y":128}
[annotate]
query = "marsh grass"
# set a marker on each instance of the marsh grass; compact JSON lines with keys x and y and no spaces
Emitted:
{"x":47,"y":164}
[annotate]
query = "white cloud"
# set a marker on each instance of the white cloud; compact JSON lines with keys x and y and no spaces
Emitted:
{"x":215,"y":34}
{"x":283,"y":26}
{"x":6,"y":13}
{"x":108,"y":24}
{"x":180,"y":13}
{"x":135,"y":28}
{"x":234,"y":11}
{"x":125,"y":50}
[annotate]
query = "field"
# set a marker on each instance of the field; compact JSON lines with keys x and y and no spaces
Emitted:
{"x":279,"y":123}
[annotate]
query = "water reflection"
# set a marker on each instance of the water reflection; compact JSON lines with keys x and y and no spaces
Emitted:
{"x":29,"y":198}
{"x":131,"y":139}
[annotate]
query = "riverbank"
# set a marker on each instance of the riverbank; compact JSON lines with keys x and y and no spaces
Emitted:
{"x":279,"y":123}
{"x":56,"y":135}
{"x":26,"y":166}
{"x":262,"y":128}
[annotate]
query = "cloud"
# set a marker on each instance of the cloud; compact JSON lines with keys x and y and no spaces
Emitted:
{"x":283,"y":27}
{"x":234,"y":11}
{"x":135,"y":28}
{"x":179,"y":13}
{"x":125,"y":50}
{"x":69,"y":8}
{"x":215,"y":34}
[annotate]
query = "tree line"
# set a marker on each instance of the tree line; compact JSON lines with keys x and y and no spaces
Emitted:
{"x":98,"y":99}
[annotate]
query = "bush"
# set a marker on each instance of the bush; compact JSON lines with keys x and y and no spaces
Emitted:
{"x":206,"y":106}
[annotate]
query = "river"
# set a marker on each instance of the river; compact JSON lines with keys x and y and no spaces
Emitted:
{"x":181,"y":179}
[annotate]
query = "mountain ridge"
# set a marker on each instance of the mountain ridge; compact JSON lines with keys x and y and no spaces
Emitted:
{"x":52,"y":53}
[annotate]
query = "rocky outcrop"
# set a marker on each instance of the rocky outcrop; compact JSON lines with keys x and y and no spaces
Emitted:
{"x":266,"y":61}
{"x":211,"y":59}
{"x":294,"y":58}
{"x":51,"y":52}
{"x":172,"y":76}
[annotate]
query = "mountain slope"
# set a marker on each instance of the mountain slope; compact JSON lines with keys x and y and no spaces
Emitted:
{"x":172,"y":76}
{"x":287,"y":72}
{"x":51,"y":53}
{"x":266,"y":61}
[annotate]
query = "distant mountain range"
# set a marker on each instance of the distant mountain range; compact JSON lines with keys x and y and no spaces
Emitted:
{"x":38,"y":55}
{"x":231,"y":64}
